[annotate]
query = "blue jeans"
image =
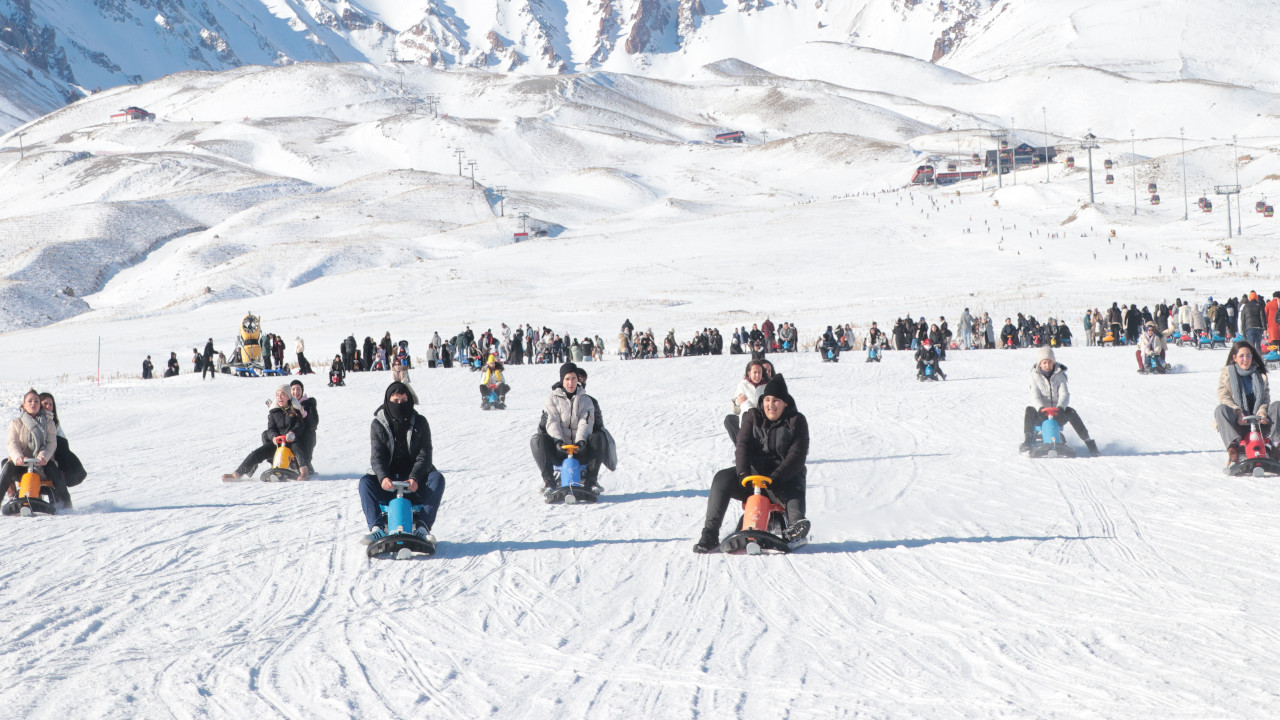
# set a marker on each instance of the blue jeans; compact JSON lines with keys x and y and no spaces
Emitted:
{"x":373,"y":497}
{"x":1254,"y":336}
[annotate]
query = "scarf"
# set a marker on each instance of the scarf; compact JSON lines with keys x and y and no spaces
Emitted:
{"x":1245,"y":385}
{"x":37,"y":429}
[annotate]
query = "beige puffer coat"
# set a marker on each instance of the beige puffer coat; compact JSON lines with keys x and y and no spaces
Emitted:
{"x":21,"y":443}
{"x":570,"y":420}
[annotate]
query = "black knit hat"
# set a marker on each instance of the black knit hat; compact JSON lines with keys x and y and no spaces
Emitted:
{"x":777,"y":387}
{"x":298,"y":383}
{"x":567,"y":369}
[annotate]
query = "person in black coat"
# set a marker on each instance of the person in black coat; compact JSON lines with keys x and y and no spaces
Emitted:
{"x":926,"y":355}
{"x":208,"y":367}
{"x":310,"y":418}
{"x":284,"y":418}
{"x":148,"y":369}
{"x":171,"y":368}
{"x":401,"y":451}
{"x":773,"y":441}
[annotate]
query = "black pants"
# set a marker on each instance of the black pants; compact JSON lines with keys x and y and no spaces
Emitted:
{"x":11,"y":475}
{"x":725,"y":486}
{"x":547,"y":454}
{"x":266,"y":453}
{"x":304,"y":367}
{"x":502,"y":390}
{"x":1065,"y":415}
{"x":209,"y":369}
{"x":732,"y":423}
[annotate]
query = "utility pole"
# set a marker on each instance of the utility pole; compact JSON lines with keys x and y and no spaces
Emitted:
{"x":432,"y":101}
{"x":524,"y":222}
{"x":472,"y":165}
{"x":1228,"y":190}
{"x":1133,"y":151}
{"x":22,"y":153}
{"x":1090,"y":143}
{"x":1013,"y":152}
{"x":501,"y":192}
{"x":1235,"y":152}
{"x":459,"y":152}
{"x":1045,"y":113}
{"x":1182,"y":133}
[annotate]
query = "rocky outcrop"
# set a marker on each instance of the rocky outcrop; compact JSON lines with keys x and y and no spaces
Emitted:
{"x":649,"y":21}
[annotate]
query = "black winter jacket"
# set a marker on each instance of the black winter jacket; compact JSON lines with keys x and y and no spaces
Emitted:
{"x":383,"y":443}
{"x":776,"y":448}
{"x":282,"y":422}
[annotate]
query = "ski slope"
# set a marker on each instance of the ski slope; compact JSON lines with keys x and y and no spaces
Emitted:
{"x":948,"y":576}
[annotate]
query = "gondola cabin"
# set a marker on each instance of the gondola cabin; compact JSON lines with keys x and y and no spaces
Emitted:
{"x":1155,"y":199}
{"x":1004,"y":144}
{"x":1111,"y":179}
{"x":1260,"y":206}
{"x":1207,"y":206}
{"x":1200,"y":203}
{"x":1071,"y":161}
{"x":978,"y":158}
{"x":951,"y":167}
{"x":1151,"y":187}
{"x":1268,"y":211}
{"x":1108,"y":164}
{"x":1035,"y":162}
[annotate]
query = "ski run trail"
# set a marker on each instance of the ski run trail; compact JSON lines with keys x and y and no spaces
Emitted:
{"x":948,"y":576}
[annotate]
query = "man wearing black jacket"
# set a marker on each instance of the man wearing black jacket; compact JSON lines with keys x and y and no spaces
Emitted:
{"x":773,"y":441}
{"x":401,"y":451}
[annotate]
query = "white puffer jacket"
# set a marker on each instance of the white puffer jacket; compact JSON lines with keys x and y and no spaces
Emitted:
{"x":1050,"y":391}
{"x":569,"y":420}
{"x":750,"y":392}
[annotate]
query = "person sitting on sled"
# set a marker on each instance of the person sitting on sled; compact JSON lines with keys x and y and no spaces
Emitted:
{"x":337,"y":371}
{"x":570,"y":419}
{"x":33,"y":434}
{"x":493,"y":376}
{"x":1243,"y":390}
{"x":773,"y":441}
{"x":284,"y":418}
{"x":926,"y":356}
{"x":1151,"y":348}
{"x":1049,"y":389}
{"x":600,"y":444}
{"x":746,"y":397}
{"x":401,"y":452}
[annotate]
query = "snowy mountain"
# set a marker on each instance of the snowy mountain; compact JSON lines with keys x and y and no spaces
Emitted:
{"x":51,"y":53}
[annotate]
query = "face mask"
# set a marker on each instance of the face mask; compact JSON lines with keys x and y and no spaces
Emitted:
{"x":399,"y":411}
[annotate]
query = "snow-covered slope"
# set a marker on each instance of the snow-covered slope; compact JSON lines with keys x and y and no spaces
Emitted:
{"x":948,"y":576}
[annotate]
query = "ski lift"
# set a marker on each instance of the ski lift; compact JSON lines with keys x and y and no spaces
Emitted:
{"x":1111,"y":179}
{"x":1200,"y":203}
{"x":977,"y":159}
{"x":1004,"y":144}
{"x":1155,"y":199}
{"x":1260,"y":206}
{"x":1268,"y":211}
{"x":1071,"y":161}
{"x":1108,"y":164}
{"x":1207,"y":206}
{"x":1151,"y":187}
{"x":1035,"y":162}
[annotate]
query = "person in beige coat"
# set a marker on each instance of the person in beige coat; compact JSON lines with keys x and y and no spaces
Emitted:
{"x":1243,"y":390}
{"x":570,"y":418}
{"x":33,"y":433}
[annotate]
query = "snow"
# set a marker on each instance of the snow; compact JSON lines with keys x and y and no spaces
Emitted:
{"x":948,"y":576}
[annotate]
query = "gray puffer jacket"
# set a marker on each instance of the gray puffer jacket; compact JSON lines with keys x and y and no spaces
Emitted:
{"x":569,"y":419}
{"x":1049,"y":391}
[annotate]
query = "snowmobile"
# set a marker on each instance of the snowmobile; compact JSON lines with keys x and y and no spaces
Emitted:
{"x":1048,"y":441}
{"x":400,"y":539}
{"x":35,"y":494}
{"x":570,"y":489}
{"x":284,"y":466}
{"x":491,"y":399}
{"x":762,"y":524}
{"x":1258,"y":454}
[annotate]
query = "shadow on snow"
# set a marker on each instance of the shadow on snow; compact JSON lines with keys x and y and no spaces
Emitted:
{"x":852,"y":546}
{"x":472,"y":549}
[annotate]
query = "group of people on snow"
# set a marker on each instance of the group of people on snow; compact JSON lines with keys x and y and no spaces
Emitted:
{"x":36,"y":433}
